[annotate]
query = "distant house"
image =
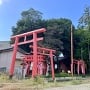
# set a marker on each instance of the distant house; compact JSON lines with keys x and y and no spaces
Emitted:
{"x":6,"y":55}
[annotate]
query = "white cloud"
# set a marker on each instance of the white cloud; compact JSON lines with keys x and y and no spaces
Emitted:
{"x":3,"y":1}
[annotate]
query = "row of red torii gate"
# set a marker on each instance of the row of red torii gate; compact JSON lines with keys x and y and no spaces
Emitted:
{"x":37,"y":58}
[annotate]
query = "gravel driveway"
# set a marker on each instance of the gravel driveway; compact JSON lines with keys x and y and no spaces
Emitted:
{"x":72,"y":87}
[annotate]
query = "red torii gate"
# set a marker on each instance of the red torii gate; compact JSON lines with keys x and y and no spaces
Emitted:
{"x":80,"y":65}
{"x":35,"y":50}
{"x":35,"y":39}
{"x":47,"y":52}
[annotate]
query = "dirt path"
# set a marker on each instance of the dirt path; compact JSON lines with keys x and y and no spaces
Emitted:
{"x":20,"y":86}
{"x":72,"y":87}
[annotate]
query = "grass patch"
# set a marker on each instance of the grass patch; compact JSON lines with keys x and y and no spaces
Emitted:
{"x":61,"y":74}
{"x":76,"y":82}
{"x":38,"y":83}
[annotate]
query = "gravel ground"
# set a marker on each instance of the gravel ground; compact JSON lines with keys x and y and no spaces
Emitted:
{"x":72,"y":87}
{"x":69,"y":87}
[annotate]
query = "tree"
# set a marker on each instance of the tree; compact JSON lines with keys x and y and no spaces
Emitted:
{"x":84,"y":21}
{"x":84,"y":24}
{"x":30,"y":20}
{"x":58,"y":35}
{"x":82,"y":37}
{"x":80,"y":44}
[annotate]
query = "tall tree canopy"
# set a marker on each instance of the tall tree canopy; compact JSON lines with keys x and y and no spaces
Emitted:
{"x":81,"y":44}
{"x":30,"y":20}
{"x":58,"y":35}
{"x":84,"y":21}
{"x":84,"y":25}
{"x":82,"y":37}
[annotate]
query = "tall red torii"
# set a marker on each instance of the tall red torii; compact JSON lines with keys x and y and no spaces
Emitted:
{"x":35,"y":39}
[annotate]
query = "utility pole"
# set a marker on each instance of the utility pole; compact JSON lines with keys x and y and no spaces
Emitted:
{"x":71,"y":50}
{"x":89,"y":30}
{"x":88,"y":51}
{"x":81,"y":53}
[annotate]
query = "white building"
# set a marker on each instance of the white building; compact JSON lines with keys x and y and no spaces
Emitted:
{"x":6,"y":52}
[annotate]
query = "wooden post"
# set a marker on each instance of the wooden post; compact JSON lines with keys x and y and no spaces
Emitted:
{"x":71,"y":50}
{"x":78,"y":67}
{"x":52,"y":66}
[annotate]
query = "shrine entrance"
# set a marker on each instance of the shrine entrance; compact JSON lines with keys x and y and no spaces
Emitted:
{"x":38,"y":53}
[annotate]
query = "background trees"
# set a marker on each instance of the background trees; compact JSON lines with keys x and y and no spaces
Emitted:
{"x":57,"y":35}
{"x":82,"y":37}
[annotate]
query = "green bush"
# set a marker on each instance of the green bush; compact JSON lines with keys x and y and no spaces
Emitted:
{"x":62,"y":74}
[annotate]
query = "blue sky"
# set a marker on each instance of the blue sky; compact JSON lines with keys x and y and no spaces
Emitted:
{"x":10,"y":11}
